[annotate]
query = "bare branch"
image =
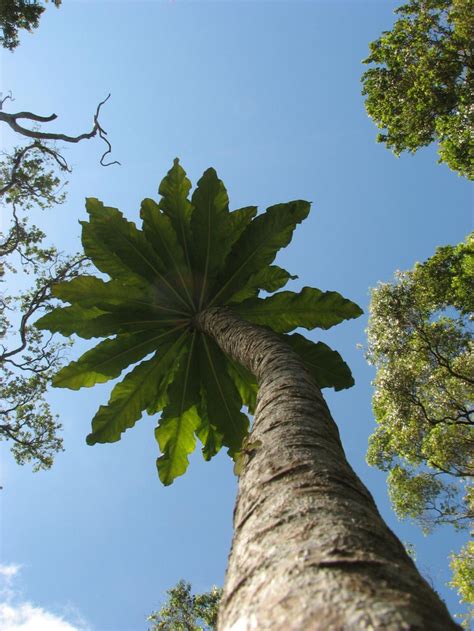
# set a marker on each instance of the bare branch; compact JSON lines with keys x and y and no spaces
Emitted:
{"x":97,"y":129}
{"x":6,"y":98}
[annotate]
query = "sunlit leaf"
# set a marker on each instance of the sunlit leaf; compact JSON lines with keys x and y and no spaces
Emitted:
{"x":269,"y":279}
{"x":75,"y":319}
{"x":174,"y":189}
{"x":108,"y":359}
{"x":132,"y":395}
{"x":210,"y":224}
{"x":104,"y":257}
{"x":257,"y":246}
{"x":89,"y":291}
{"x":288,"y":310}
{"x":180,"y":419}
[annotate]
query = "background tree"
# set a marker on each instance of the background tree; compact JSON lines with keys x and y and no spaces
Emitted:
{"x":420,"y":87}
{"x":420,"y":341}
{"x":16,"y":15}
{"x":185,"y":611}
{"x":30,"y":180}
{"x":310,"y":549}
{"x":462,"y":565}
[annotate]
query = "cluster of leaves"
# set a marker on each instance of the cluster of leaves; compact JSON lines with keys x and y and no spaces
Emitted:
{"x":16,"y":15}
{"x":28,"y":358}
{"x":421,"y":86}
{"x":462,"y":566}
{"x":31,"y":179}
{"x":420,"y":340}
{"x":188,"y":256}
{"x":424,"y":387}
{"x":185,"y":611}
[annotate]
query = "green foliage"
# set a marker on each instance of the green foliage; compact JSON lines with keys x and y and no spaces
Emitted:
{"x":286,"y":311}
{"x":19,"y":14}
{"x":420,"y":88}
{"x":30,"y":180}
{"x":462,"y":566}
{"x":187,"y":257}
{"x":420,"y":341}
{"x":29,"y":358}
{"x":185,"y":611}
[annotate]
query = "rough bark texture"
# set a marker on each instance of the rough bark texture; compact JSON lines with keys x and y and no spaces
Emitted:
{"x":310,"y":550}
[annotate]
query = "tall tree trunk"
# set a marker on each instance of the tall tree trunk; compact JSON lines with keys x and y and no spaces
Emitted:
{"x":310,"y":550}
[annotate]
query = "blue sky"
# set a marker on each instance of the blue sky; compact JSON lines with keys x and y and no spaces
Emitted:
{"x":268,"y":93}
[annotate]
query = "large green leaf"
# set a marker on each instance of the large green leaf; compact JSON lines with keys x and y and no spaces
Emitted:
{"x":210,"y":437}
{"x":174,"y":189}
{"x":160,"y":233}
{"x":132,"y":248}
{"x":180,"y":419}
{"x":326,"y":366}
{"x":269,"y":279}
{"x":94,"y":322}
{"x":109,"y":358}
{"x":210,"y":225}
{"x":220,"y":397}
{"x":288,"y":310}
{"x":89,"y":291}
{"x":258,"y":246}
{"x":126,"y":320}
{"x":176,"y":437}
{"x":124,"y":302}
{"x":132,"y":395}
{"x":104,"y":256}
{"x":79,"y":320}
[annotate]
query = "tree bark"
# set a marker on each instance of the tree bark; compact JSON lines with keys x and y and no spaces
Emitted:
{"x":310,"y":550}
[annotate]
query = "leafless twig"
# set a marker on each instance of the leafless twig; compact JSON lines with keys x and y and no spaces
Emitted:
{"x":11,"y":119}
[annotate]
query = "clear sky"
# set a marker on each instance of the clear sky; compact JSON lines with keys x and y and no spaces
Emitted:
{"x":268,"y":93}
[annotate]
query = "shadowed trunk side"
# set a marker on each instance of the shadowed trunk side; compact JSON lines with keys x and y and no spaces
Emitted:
{"x":310,"y":549}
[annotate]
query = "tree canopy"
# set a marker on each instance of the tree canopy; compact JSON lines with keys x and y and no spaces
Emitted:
{"x":185,"y":611}
{"x":420,"y":86}
{"x":16,"y":15}
{"x":462,"y":565}
{"x":31,"y":180}
{"x":189,"y":256}
{"x":420,"y":341}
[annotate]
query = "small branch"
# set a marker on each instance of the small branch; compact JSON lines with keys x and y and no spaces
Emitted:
{"x":40,"y":296}
{"x":6,"y":98}
{"x":103,"y":134}
{"x":434,"y":350}
{"x":13,"y":239}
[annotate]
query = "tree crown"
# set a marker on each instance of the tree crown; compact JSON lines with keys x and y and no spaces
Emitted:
{"x":420,"y":86}
{"x":190,"y":255}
